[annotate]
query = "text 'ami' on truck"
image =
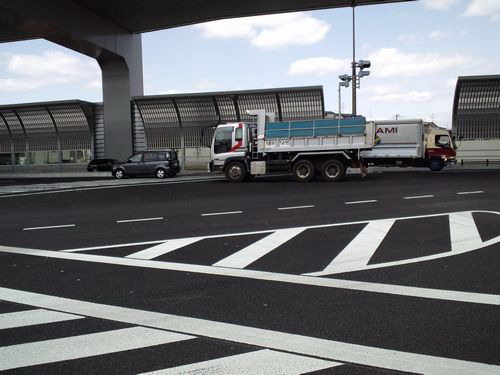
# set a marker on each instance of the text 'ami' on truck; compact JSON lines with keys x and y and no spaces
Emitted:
{"x":326,"y":147}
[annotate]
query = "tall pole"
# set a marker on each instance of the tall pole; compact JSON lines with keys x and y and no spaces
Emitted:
{"x":354,"y":78}
{"x":338,"y":127}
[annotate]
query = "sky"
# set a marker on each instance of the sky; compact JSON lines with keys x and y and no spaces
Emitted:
{"x":417,"y":51}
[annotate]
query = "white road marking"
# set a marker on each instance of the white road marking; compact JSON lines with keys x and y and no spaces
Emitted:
{"x":51,"y":227}
{"x":358,"y":252}
{"x":63,"y":349}
{"x":23,"y":192}
{"x":33,"y":317}
{"x":420,"y":196}
{"x":258,"y":249}
{"x":470,"y":192}
{"x":145,"y":219}
{"x":113,"y":246}
{"x":361,"y":202}
{"x":463,"y":232}
{"x":260,"y":232}
{"x":400,"y":290}
{"x":296,"y":207}
{"x":163,"y":248}
{"x":222,"y":213}
{"x":260,"y":362}
{"x":293,"y":343}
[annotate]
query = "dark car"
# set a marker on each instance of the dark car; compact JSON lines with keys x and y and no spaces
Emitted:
{"x":101,"y":165}
{"x":149,"y":163}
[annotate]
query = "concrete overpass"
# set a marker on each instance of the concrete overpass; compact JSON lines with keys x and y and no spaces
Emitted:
{"x":109,"y":31}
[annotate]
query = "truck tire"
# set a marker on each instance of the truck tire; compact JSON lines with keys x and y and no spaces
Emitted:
{"x":333,"y":170}
{"x":436,"y":165}
{"x":303,"y":171}
{"x":235,"y":172}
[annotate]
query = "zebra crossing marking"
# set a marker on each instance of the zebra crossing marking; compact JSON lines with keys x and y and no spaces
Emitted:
{"x":257,"y":250}
{"x":260,"y":362}
{"x":74,"y":347}
{"x":358,"y":252}
{"x":400,"y":290}
{"x":33,"y":317}
{"x":189,"y":327}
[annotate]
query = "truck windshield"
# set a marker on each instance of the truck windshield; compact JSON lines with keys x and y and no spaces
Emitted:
{"x":223,"y":140}
{"x":443,"y":141}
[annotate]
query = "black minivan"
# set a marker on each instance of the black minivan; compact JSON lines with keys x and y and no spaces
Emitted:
{"x":149,"y":163}
{"x":101,"y":165}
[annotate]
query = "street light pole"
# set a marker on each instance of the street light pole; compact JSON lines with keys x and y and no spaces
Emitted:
{"x":354,"y":78}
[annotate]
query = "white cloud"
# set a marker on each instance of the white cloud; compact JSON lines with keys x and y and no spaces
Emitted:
{"x":318,"y":66}
{"x":168,"y":92}
{"x":205,"y":84}
{"x":439,"y":4}
{"x":438,"y":34}
{"x":404,"y":97}
{"x":451,"y":82}
{"x":394,"y":93}
{"x":51,"y":67}
{"x":410,"y":37}
{"x":390,"y":62}
{"x":14,"y":85}
{"x":271,"y":31}
{"x":481,"y":8}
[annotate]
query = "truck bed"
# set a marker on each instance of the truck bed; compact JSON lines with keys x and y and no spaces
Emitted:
{"x":318,"y":135}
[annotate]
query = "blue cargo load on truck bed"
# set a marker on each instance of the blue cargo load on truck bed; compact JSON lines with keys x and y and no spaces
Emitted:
{"x":316,"y":128}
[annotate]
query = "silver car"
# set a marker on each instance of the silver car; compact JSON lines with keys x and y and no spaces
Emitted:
{"x":149,"y":163}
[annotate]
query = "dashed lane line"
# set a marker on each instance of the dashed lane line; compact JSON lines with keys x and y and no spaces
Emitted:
{"x":188,"y":327}
{"x":470,"y":192}
{"x":222,"y":213}
{"x":296,"y":207}
{"x":51,"y":227}
{"x":420,"y":196}
{"x":144,"y":219}
{"x":361,"y":202}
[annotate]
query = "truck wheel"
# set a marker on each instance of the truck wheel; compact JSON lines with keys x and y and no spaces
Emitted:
{"x":436,"y":165}
{"x":235,"y":172}
{"x":303,"y":171}
{"x":333,"y":170}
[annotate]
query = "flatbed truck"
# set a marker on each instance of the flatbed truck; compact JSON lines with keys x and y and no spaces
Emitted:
{"x":300,"y":148}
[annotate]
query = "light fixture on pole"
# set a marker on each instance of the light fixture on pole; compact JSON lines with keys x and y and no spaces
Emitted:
{"x":362,"y":64}
{"x":344,"y":82}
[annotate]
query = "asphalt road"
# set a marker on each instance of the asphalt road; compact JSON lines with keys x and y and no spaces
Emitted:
{"x":395,"y":273}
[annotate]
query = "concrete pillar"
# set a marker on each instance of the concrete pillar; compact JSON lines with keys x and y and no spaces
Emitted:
{"x":121,"y":79}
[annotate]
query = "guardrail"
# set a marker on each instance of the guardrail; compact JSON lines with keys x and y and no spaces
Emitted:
{"x":487,"y":162}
